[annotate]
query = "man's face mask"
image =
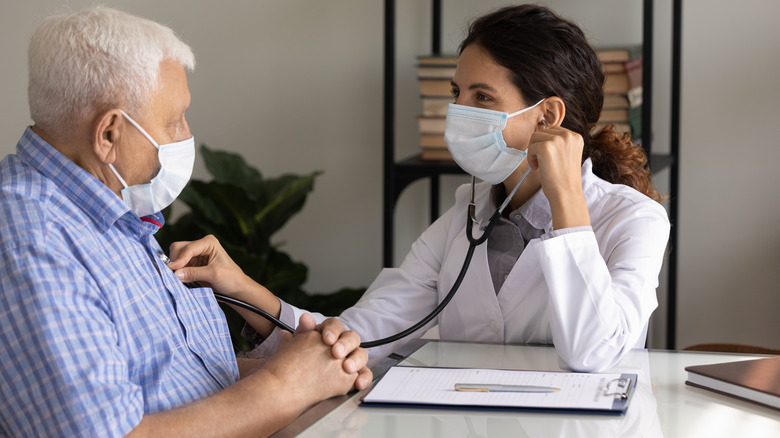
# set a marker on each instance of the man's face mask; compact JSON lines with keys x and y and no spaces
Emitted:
{"x":474,"y":139}
{"x":176,"y":161}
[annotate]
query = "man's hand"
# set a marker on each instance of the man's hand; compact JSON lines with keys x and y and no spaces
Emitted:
{"x":308,"y":366}
{"x":345,"y":344}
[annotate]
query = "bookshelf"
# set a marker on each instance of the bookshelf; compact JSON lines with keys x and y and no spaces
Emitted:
{"x":399,"y":174}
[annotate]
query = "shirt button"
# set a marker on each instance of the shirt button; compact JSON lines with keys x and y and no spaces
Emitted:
{"x":518,"y":216}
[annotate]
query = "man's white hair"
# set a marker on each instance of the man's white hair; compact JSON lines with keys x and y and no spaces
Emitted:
{"x":95,"y":60}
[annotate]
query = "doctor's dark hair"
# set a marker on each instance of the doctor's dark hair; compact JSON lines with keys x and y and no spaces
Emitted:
{"x":550,"y":56}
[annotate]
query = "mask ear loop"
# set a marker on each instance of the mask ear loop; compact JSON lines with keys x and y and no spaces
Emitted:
{"x":143,"y":131}
{"x":472,"y":206}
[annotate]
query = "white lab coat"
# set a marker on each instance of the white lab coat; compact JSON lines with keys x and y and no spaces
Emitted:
{"x":590,"y":291}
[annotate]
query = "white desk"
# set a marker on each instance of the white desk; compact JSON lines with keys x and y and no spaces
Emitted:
{"x":662,"y":406}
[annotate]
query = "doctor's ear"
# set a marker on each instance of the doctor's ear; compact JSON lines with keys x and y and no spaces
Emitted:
{"x":105,"y":132}
{"x":553,"y":112}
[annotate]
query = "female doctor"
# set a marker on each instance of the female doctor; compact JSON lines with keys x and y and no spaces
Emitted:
{"x":574,"y":258}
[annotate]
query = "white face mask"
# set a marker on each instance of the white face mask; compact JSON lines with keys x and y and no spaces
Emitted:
{"x":176,"y":162}
{"x":474,"y":139}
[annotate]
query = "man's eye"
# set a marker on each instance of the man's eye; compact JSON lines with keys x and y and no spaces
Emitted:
{"x":483,"y":97}
{"x":455,"y":92}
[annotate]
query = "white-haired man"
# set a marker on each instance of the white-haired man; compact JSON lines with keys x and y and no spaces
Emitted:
{"x":99,"y":337}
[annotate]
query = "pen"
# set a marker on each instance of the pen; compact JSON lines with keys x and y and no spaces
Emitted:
{"x":483,"y":387}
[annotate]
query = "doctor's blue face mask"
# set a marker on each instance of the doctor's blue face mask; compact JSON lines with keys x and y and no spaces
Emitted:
{"x":475,"y":140}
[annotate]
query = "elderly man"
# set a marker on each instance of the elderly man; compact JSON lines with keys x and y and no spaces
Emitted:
{"x":99,"y":337}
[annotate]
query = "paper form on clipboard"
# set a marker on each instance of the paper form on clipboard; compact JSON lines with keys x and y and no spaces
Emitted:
{"x":435,"y":387}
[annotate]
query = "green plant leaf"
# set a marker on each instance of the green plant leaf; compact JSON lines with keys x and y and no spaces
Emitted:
{"x":224,"y":204}
{"x":287,"y":276}
{"x":228,"y":167}
{"x":286,"y":195}
{"x":201,"y":204}
{"x":185,"y":228}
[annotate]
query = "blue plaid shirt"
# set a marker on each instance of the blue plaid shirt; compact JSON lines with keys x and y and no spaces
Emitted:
{"x":95,"y":330}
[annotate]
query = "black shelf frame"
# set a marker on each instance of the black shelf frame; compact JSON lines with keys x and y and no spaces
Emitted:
{"x":400,"y":174}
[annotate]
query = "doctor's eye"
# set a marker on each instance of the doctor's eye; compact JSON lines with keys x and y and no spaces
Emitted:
{"x":455,"y":92}
{"x":484,"y":97}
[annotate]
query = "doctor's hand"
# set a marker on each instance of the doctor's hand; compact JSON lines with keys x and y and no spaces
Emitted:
{"x":556,"y":153}
{"x":204,"y":261}
{"x":345,"y":345}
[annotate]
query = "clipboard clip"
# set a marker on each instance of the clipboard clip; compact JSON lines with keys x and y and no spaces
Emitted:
{"x":622,"y":387}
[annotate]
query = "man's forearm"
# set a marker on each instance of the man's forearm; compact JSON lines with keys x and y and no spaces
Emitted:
{"x":243,"y":409}
{"x":247,"y":366}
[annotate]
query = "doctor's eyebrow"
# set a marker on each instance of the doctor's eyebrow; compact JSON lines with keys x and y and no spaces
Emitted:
{"x":477,"y":86}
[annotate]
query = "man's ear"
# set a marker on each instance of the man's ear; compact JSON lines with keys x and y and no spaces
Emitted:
{"x":553,"y":111}
{"x":105,"y":133}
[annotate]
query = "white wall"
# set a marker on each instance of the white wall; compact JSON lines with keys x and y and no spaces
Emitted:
{"x":729,"y":202}
{"x":296,"y":86}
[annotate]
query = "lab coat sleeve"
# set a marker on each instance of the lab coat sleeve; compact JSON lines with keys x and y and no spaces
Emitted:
{"x":602,"y":285}
{"x":397,"y":299}
{"x":289,"y":315}
{"x":400,"y":297}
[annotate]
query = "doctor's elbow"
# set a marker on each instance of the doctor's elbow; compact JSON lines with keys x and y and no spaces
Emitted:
{"x":586,"y":362}
{"x":580,"y":366}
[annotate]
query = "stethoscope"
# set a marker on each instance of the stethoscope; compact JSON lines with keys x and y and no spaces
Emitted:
{"x":473,"y":244}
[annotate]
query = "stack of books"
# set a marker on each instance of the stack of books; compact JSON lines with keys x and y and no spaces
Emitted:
{"x":622,"y":89}
{"x":434,"y":74}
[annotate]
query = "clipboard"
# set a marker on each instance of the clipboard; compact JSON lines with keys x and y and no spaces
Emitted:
{"x":434,"y":387}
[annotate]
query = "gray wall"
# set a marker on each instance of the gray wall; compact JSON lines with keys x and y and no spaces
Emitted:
{"x":296,"y":86}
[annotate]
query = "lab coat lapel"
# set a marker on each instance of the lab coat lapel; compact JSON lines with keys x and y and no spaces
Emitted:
{"x":525,"y":272}
{"x":521,"y":287}
{"x":525,"y":289}
{"x":474,"y":313}
{"x":479,"y":273}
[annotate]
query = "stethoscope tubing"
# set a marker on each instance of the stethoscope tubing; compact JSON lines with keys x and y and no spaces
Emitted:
{"x":276,"y":321}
